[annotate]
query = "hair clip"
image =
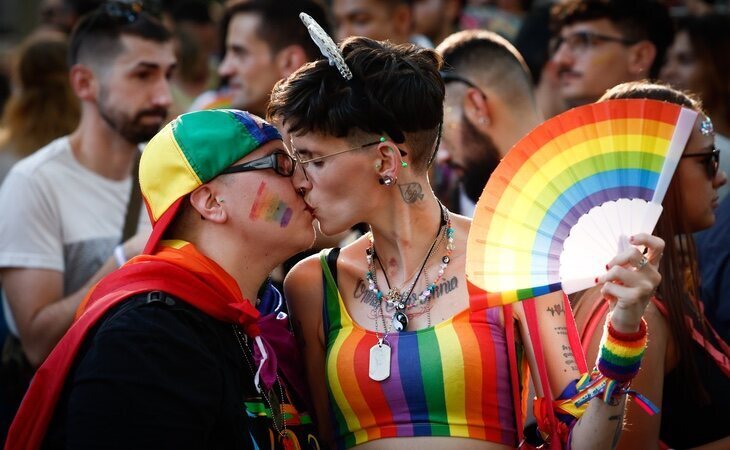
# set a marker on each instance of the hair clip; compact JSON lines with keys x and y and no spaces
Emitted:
{"x":706,"y":127}
{"x":326,"y":46}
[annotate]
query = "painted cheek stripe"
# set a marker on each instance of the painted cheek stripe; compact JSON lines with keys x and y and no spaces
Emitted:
{"x":270,"y":207}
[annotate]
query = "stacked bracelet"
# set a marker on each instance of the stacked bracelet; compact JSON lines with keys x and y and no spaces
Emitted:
{"x":619,"y":359}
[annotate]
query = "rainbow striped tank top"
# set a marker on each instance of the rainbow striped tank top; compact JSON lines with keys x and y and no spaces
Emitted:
{"x":451,"y":379}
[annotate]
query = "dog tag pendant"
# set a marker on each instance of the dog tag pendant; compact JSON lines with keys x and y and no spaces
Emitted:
{"x":379,"y":361}
{"x":400,"y":320}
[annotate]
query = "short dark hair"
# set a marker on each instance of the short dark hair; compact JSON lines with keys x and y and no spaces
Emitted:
{"x":396,"y":89}
{"x":486,"y":56}
{"x":637,"y":20}
{"x":96,"y":38}
{"x":280,"y":25}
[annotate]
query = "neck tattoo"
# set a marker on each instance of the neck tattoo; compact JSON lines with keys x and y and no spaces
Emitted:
{"x":395,"y":297}
{"x":379,"y":364}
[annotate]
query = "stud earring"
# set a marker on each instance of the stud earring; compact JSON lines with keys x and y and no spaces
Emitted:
{"x":387,"y":180}
{"x":403,"y":164}
{"x":220,"y":200}
{"x":378,"y":165}
{"x":301,"y":191}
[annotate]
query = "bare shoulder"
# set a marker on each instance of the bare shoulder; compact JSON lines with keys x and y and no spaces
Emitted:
{"x":303,"y":283}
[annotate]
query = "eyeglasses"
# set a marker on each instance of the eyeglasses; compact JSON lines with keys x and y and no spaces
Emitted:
{"x":305,"y":162}
{"x":711,"y":161}
{"x":282,"y":163}
{"x":451,"y":77}
{"x":580,"y":41}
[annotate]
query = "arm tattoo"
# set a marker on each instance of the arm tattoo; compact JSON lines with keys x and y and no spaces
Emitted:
{"x":556,"y":309}
{"x":411,"y":192}
{"x":568,"y":357}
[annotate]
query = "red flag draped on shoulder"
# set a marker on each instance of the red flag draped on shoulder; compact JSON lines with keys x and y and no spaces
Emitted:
{"x":177,"y":269}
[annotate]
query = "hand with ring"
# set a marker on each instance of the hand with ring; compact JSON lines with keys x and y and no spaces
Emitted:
{"x":631,"y":279}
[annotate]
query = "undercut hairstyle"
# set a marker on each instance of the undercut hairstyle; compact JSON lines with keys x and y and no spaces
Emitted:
{"x":96,"y":39}
{"x":679,"y":289}
{"x":636,"y":20}
{"x":489,"y":59}
{"x":709,"y":36}
{"x":279,"y":24}
{"x":396,"y":91}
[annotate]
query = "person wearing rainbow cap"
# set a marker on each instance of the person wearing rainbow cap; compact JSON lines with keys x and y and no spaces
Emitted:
{"x":170,"y":351}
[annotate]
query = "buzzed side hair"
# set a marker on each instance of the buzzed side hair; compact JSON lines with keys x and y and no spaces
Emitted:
{"x":96,"y":38}
{"x":490,"y":60}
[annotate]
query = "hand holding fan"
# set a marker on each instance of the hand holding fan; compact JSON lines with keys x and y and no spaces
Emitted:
{"x":554,"y":210}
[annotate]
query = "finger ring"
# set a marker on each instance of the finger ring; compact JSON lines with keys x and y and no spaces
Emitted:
{"x":644,"y":261}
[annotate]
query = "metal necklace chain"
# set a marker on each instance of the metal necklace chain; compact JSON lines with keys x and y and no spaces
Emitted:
{"x":243,"y":344}
{"x":394,"y":297}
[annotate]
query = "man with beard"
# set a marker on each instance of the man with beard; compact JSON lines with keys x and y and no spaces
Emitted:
{"x":489,"y":106}
{"x":64,"y":207}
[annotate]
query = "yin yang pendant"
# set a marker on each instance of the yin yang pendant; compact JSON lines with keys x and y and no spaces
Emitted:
{"x":400,"y":320}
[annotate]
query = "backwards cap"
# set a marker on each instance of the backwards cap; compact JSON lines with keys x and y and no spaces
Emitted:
{"x":189,"y":152}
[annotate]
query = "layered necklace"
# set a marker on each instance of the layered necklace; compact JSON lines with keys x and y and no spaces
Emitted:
{"x":397,"y":298}
{"x":379,"y":367}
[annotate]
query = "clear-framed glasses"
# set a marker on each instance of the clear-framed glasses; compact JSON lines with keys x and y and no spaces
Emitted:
{"x":282,"y":163}
{"x":711,"y":161}
{"x":304,"y":162}
{"x":580,"y":41}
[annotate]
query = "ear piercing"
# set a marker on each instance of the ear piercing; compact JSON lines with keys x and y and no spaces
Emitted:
{"x":220,"y":200}
{"x":387,"y":180}
{"x":402,"y":163}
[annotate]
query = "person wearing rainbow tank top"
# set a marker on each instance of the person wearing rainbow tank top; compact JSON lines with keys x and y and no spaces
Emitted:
{"x":401,"y":351}
{"x":170,"y":351}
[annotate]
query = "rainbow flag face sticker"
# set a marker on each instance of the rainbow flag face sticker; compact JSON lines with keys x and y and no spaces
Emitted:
{"x":557,"y":206}
{"x":269,"y":207}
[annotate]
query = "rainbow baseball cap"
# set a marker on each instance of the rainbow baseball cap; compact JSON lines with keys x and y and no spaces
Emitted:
{"x":190,"y":151}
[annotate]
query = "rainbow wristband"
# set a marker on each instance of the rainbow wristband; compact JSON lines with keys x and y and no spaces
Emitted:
{"x":619,"y":356}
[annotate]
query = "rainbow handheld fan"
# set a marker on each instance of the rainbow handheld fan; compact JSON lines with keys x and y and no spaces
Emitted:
{"x":556,"y":208}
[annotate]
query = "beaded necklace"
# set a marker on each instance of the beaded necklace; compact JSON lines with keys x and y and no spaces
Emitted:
{"x":394,"y":297}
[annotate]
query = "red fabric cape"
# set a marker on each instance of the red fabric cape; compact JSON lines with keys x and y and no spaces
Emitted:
{"x":181,"y":272}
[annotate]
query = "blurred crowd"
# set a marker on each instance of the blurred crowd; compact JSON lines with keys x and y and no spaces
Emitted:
{"x":73,"y":116}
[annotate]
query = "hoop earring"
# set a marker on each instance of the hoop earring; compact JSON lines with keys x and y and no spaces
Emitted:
{"x":387,"y":180}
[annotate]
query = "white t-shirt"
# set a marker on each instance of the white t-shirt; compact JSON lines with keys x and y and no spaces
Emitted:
{"x":56,"y":214}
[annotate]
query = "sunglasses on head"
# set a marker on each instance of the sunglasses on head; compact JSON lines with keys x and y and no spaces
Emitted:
{"x":282,"y":163}
{"x":711,"y":161}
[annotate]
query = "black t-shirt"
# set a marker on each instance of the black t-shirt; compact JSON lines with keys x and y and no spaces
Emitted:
{"x":156,"y":373}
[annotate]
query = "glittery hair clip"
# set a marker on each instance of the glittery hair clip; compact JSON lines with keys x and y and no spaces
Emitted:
{"x":326,"y":46}
{"x":706,"y":127}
